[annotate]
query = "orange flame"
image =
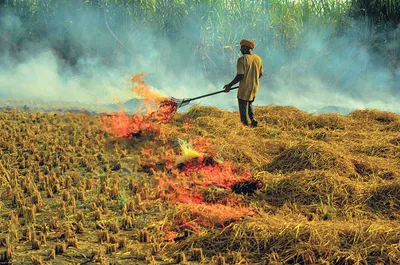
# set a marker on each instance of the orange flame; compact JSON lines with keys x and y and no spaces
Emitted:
{"x":185,"y":184}
{"x":187,"y":187}
{"x":142,"y":89}
{"x":122,"y":125}
{"x":213,"y":173}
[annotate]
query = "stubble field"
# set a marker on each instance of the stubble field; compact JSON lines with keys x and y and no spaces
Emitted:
{"x":198,"y":187}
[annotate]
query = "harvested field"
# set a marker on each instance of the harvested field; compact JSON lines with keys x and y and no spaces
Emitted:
{"x":197,"y":187}
{"x":99,"y":167}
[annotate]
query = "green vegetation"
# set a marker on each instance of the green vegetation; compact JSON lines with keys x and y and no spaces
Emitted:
{"x":210,"y":30}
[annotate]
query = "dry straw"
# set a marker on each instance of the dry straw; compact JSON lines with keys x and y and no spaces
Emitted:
{"x":273,"y":240}
{"x":311,"y":156}
{"x":329,"y":189}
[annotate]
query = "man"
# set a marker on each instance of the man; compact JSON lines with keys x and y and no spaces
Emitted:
{"x":249,"y":71}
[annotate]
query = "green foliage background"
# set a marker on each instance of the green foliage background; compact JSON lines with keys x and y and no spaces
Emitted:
{"x":214,"y":26}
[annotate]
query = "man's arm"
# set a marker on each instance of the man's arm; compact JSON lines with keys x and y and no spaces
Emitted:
{"x":236,"y":80}
{"x":239,"y":74}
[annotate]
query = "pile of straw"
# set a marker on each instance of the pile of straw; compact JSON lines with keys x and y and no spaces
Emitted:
{"x":378,"y":116}
{"x":385,"y":199}
{"x":311,"y":156}
{"x":310,"y":188}
{"x":274,"y":239}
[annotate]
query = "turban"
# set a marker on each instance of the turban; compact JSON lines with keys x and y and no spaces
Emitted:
{"x":248,"y":43}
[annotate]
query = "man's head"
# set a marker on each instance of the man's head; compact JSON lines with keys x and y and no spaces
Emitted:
{"x":247,"y":46}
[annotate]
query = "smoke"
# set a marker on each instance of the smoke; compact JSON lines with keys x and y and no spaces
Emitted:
{"x":87,"y":56}
{"x":339,"y":71}
{"x":97,"y":66}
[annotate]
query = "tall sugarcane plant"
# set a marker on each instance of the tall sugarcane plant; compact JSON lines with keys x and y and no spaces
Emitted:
{"x":378,"y":11}
{"x":209,"y":28}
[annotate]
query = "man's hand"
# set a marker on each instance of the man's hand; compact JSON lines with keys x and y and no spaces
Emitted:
{"x":236,"y":80}
{"x":227,"y":88}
